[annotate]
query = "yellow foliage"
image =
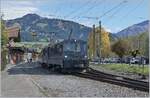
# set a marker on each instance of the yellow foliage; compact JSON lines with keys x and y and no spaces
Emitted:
{"x":4,"y":35}
{"x":105,"y":43}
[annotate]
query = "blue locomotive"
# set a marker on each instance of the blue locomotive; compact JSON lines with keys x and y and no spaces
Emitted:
{"x":66,"y":56}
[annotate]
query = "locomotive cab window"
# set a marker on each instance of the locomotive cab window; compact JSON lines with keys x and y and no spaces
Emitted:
{"x":78,"y":48}
{"x":69,"y":46}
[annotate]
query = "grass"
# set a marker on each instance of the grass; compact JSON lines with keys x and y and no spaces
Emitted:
{"x":127,"y":68}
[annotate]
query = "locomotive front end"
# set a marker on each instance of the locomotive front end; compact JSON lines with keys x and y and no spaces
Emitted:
{"x":75,"y":55}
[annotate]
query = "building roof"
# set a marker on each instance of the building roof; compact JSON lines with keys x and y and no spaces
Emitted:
{"x":13,"y":32}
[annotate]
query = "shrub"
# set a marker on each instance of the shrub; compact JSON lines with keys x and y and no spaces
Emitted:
{"x":4,"y":62}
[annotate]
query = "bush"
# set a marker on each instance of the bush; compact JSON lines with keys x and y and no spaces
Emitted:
{"x":4,"y":62}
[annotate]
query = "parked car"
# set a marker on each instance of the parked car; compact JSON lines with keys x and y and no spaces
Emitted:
{"x":134,"y":61}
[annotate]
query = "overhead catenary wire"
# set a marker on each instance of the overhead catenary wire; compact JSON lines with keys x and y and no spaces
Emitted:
{"x":114,"y":13}
{"x":88,"y":10}
{"x":76,"y":10}
{"x":132,"y":10}
{"x":105,"y":13}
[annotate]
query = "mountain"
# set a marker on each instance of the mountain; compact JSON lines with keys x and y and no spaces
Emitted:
{"x":134,"y":29}
{"x":46,"y":28}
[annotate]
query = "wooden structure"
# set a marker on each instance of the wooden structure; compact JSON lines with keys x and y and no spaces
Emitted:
{"x":14,"y":33}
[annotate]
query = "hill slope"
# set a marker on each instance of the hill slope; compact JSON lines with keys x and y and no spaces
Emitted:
{"x":44,"y":28}
{"x":134,"y":29}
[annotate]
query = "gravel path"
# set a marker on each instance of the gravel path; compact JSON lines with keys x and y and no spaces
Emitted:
{"x":36,"y":81}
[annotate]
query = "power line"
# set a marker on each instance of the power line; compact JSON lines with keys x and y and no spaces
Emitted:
{"x":129,"y":12}
{"x":76,"y":10}
{"x":105,"y":13}
{"x":87,"y":9}
{"x":114,"y":13}
{"x":113,"y":8}
{"x":97,"y":4}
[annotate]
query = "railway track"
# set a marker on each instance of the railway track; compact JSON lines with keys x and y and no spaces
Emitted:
{"x":114,"y":79}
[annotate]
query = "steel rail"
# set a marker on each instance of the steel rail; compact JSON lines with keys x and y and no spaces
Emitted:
{"x":119,"y":77}
{"x":114,"y":79}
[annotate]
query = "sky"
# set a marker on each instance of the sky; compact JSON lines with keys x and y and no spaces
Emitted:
{"x":114,"y":15}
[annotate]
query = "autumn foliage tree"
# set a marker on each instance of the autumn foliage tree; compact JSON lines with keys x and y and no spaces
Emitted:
{"x":4,"y":36}
{"x":4,"y":40}
{"x":139,"y":44}
{"x":105,"y":43}
{"x":121,"y":48}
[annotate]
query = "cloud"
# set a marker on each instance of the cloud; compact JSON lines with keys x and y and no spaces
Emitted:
{"x":14,"y":12}
{"x":13,"y":9}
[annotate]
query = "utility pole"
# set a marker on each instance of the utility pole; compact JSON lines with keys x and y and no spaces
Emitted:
{"x":99,"y":42}
{"x":94,"y":42}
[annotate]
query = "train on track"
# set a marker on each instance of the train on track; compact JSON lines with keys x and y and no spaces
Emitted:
{"x":66,"y":56}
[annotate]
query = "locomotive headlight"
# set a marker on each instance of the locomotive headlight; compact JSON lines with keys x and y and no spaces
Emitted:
{"x":66,"y":56}
{"x":85,"y":56}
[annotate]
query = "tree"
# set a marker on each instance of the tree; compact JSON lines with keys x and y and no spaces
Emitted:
{"x":105,"y":43}
{"x":121,"y":47}
{"x":134,"y":53}
{"x":105,"y":49}
{"x":4,"y":35}
{"x":146,"y":52}
{"x":139,"y":42}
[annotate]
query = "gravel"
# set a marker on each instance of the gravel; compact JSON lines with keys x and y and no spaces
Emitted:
{"x":58,"y":85}
{"x":71,"y":86}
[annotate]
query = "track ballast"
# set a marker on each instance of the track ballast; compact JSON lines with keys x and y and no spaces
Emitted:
{"x":114,"y":79}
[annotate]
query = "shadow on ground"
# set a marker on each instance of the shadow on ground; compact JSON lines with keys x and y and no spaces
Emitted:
{"x":30,"y":68}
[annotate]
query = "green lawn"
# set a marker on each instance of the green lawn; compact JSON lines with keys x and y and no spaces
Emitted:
{"x":127,"y":68}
